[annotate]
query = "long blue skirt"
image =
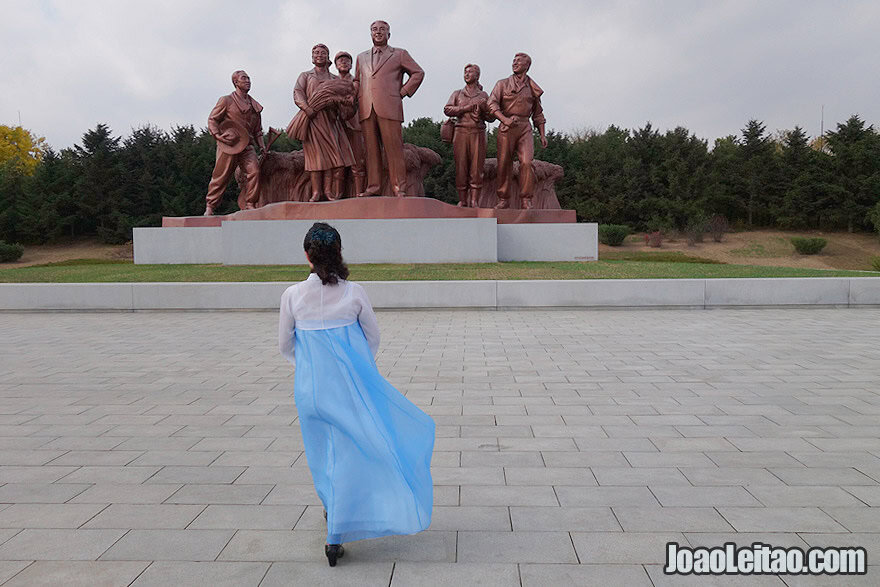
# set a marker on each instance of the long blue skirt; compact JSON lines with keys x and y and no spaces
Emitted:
{"x":368,"y":447}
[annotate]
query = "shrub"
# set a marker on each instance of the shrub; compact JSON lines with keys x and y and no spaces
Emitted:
{"x":664,"y":224}
{"x":10,"y":252}
{"x":613,"y":234}
{"x":654,"y":239}
{"x":808,"y":246}
{"x":695,"y":228}
{"x":718,"y":225}
{"x":874,"y":217}
{"x":875,"y":262}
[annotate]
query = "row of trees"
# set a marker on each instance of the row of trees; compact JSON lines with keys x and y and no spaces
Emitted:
{"x":654,"y":180}
{"x":644,"y":178}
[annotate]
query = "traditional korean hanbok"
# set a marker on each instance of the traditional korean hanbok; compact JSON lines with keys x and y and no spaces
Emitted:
{"x":368,"y":447}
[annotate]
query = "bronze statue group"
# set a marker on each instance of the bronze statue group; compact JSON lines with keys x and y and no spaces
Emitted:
{"x":368,"y":448}
{"x":354,"y":120}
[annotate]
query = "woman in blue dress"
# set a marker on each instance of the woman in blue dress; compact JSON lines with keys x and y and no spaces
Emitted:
{"x":368,"y":447}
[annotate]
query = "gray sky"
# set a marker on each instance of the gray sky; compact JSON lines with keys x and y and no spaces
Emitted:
{"x":705,"y":65}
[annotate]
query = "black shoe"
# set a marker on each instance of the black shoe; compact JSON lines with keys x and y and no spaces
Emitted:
{"x":325,"y":515}
{"x":333,"y":552}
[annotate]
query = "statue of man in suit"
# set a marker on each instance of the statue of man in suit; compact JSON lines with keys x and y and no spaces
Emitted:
{"x":379,"y":84}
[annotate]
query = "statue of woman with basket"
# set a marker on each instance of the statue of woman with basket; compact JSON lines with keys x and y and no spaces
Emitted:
{"x":325,"y":101}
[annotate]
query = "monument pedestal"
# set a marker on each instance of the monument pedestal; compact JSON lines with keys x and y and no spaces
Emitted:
{"x":374,"y":208}
{"x":373,"y":230}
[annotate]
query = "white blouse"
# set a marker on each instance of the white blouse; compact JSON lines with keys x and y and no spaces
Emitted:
{"x":311,"y":305}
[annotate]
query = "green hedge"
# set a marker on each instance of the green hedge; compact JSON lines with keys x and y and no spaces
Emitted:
{"x":808,"y":246}
{"x":10,"y":252}
{"x":613,"y":234}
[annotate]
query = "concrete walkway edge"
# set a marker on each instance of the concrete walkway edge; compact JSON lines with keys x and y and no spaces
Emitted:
{"x":591,"y":293}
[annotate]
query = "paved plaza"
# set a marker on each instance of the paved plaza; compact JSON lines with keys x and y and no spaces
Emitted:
{"x":163,"y":448}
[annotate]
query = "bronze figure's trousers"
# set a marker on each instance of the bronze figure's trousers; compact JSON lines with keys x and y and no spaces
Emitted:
{"x":469,"y":152}
{"x":391,"y":136}
{"x":358,"y":170}
{"x":225,"y":166}
{"x":356,"y":138}
{"x":517,"y":138}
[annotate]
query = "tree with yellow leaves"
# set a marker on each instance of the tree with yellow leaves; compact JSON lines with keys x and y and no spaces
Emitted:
{"x":21,"y":148}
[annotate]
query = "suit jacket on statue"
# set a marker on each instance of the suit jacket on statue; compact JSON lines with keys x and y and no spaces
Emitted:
{"x":379,"y":88}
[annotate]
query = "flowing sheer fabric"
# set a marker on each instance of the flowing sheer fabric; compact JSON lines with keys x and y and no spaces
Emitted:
{"x":368,"y":447}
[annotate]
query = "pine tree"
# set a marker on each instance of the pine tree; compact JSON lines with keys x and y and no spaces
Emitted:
{"x":757,"y":152}
{"x":99,"y":185}
{"x":11,"y":180}
{"x":440,"y":181}
{"x":50,"y":188}
{"x":856,"y":163}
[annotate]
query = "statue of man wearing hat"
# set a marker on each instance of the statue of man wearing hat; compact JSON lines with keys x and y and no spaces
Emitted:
{"x":236,"y":125}
{"x":352,"y":125}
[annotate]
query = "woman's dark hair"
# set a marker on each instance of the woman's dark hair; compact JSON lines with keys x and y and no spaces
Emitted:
{"x":324,"y":248}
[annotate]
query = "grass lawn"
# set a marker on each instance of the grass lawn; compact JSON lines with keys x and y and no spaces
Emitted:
{"x":635,"y":265}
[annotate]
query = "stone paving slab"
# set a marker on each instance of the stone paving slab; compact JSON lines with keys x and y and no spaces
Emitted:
{"x":175,"y":545}
{"x":307,"y":574}
{"x":163,"y":448}
{"x":659,"y":579}
{"x":49,"y":544}
{"x":219,"y":574}
{"x":78,"y":574}
{"x":538,"y":575}
{"x":409,"y":574}
{"x":9,"y":569}
{"x":145,"y":517}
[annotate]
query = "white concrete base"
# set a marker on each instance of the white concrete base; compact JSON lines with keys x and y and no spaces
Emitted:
{"x":66,"y":296}
{"x":421,"y":240}
{"x":207,"y":296}
{"x":590,"y":293}
{"x":777,"y":291}
{"x":178,"y":245}
{"x":548,"y":242}
{"x":622,"y":293}
{"x":864,"y":291}
{"x":432,"y":294}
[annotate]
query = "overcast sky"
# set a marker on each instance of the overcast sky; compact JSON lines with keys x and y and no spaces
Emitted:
{"x":706,"y":65}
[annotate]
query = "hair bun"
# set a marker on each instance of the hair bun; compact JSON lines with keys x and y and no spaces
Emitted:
{"x":324,"y":247}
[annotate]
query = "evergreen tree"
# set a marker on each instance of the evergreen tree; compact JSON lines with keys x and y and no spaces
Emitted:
{"x":50,"y":190}
{"x":559,"y":152}
{"x":145,"y":158}
{"x":647,"y":195}
{"x":757,"y":152}
{"x":440,"y":181}
{"x":856,"y":162}
{"x":725,"y":182}
{"x":681,"y":176}
{"x":598,"y":190}
{"x":11,"y":180}
{"x":99,"y":185}
{"x":191,"y":162}
{"x":806,"y":191}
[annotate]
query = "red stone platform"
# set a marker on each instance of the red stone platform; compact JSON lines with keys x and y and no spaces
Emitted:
{"x":373,"y":208}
